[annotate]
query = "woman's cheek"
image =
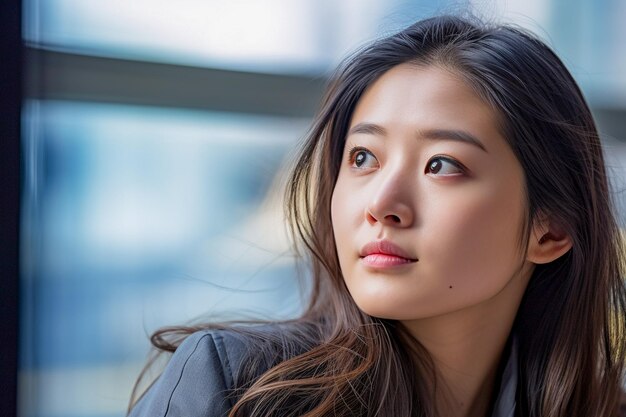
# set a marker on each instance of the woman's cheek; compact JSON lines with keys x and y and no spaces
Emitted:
{"x":472,"y":242}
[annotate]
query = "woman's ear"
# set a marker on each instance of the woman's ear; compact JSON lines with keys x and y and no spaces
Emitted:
{"x":548,"y":241}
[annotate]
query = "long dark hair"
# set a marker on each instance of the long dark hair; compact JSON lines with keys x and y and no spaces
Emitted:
{"x":337,"y":360}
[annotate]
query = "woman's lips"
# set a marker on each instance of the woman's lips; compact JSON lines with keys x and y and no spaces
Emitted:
{"x":380,"y":260}
{"x":384,"y":254}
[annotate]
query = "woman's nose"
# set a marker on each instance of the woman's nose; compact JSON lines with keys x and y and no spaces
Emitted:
{"x":391,"y":204}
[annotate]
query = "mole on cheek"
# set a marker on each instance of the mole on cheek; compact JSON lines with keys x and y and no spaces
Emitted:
{"x":450,"y":286}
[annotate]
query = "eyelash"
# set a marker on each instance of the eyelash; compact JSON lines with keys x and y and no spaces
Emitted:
{"x":356,"y":149}
{"x":449,"y":160}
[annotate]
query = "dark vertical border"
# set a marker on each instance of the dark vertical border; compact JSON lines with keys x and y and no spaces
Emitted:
{"x":11,"y":54}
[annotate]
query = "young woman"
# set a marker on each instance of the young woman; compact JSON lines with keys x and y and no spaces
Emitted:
{"x":453,"y":203}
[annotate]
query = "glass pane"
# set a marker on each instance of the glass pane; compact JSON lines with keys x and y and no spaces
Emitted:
{"x":135,"y":218}
{"x":615,"y":157}
{"x":305,"y":36}
{"x":311,"y":36}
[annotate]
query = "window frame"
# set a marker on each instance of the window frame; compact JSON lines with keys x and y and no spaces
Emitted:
{"x":10,"y":166}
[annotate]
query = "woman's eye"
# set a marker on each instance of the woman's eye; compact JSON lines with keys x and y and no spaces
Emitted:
{"x":362,"y":158}
{"x":443,"y":166}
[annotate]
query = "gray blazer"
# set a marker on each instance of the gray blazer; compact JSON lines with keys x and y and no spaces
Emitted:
{"x":196,"y":381}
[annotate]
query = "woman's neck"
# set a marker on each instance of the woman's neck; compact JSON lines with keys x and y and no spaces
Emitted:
{"x":467,"y":378}
{"x":466,"y":347}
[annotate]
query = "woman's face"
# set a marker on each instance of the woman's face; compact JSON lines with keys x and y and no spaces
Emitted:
{"x":429,"y":201}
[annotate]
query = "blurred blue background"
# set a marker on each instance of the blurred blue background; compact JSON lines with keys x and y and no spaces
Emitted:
{"x":156,"y":136}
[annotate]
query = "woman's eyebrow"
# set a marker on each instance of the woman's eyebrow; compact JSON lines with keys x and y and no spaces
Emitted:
{"x":368,"y":129}
{"x":445,"y":134}
{"x":452,"y":134}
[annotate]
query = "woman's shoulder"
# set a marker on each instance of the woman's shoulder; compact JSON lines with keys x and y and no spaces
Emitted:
{"x":207,"y":367}
{"x":195,"y":381}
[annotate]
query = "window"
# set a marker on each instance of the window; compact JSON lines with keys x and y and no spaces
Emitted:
{"x":155,"y":135}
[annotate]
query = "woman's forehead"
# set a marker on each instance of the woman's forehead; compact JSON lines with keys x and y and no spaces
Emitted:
{"x":426,"y":98}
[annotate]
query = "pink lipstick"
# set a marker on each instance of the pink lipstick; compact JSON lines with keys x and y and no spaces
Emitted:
{"x":384,"y":254}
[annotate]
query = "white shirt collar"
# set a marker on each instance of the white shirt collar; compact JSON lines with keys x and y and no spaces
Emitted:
{"x":505,"y":402}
